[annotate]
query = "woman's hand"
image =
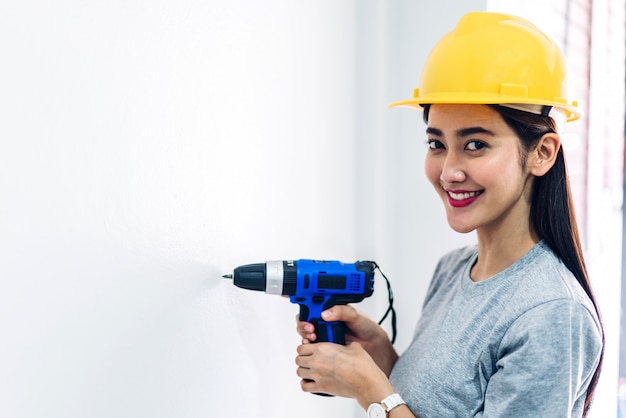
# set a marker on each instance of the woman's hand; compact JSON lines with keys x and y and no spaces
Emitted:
{"x":347,"y":371}
{"x":359,"y":328}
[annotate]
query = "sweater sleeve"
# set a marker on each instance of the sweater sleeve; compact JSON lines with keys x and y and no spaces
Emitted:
{"x":545,"y":363}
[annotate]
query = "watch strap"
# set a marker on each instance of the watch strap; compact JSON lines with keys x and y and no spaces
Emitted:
{"x":392,"y":401}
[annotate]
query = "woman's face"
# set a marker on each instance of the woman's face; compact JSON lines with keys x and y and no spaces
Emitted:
{"x":474,"y":163}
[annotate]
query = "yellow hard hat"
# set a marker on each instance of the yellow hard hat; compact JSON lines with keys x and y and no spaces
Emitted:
{"x":493,"y":58}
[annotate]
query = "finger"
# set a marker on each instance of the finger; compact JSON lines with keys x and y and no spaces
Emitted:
{"x":303,"y":325}
{"x":343,"y":313}
{"x":304,"y":370}
{"x":308,"y":385}
{"x":305,"y":329}
{"x":304,"y":373}
{"x":306,"y":349}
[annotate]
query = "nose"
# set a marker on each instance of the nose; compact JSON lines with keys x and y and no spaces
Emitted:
{"x":452,"y":170}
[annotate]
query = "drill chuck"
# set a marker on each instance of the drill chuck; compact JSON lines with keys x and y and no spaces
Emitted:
{"x":273,"y":277}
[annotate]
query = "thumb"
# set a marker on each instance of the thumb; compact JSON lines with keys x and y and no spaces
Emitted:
{"x":343,"y":313}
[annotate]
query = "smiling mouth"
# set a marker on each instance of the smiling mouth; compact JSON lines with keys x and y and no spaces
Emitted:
{"x":463,"y":195}
{"x":462,"y":198}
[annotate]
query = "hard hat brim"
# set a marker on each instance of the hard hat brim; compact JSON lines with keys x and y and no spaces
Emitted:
{"x":572,"y":111}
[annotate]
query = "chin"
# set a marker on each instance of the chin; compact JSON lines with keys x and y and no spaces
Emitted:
{"x":461,"y":229}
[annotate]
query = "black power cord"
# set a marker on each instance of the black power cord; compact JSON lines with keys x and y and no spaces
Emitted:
{"x":390,"y":310}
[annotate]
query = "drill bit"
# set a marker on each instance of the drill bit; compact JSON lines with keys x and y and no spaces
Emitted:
{"x":227,"y":276}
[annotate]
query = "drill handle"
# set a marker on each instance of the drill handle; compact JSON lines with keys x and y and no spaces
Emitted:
{"x":333,"y":332}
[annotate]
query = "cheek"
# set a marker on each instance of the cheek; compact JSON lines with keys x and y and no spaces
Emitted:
{"x":506,"y":166}
{"x":504,"y":175}
{"x":432,"y":170}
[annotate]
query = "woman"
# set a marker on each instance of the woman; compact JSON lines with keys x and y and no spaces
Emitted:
{"x":509,"y":326}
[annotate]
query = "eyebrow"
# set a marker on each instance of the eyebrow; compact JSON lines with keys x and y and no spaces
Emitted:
{"x":462,"y":132}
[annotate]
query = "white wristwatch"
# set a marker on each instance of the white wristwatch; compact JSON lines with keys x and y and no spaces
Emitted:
{"x":381,"y":410}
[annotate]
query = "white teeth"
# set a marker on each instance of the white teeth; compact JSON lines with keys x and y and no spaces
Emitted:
{"x":461,"y":196}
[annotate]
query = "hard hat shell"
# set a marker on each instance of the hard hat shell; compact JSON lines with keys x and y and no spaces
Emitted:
{"x":494,"y":58}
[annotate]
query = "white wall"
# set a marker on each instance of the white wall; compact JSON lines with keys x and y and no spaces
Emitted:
{"x":148,"y":147}
{"x":605,"y":184}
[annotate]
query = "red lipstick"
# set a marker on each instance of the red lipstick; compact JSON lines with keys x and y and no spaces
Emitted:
{"x":462,"y":198}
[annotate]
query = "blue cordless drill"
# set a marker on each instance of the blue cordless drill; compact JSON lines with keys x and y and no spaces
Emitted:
{"x":314,"y":285}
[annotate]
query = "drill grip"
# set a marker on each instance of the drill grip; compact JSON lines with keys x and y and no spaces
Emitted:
{"x":332,"y":332}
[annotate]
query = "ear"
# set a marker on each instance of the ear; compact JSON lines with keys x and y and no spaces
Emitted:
{"x":542,"y":158}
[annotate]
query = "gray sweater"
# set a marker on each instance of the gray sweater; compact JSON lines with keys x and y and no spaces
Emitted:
{"x":524,"y":343}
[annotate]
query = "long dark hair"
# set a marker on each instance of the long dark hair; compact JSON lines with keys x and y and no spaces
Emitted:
{"x":552,"y":212}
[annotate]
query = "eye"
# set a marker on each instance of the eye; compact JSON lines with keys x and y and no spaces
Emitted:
{"x":475,"y":145}
{"x":434,"y":144}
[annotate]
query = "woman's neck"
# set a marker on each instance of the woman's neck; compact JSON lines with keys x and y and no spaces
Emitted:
{"x":496,"y":253}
